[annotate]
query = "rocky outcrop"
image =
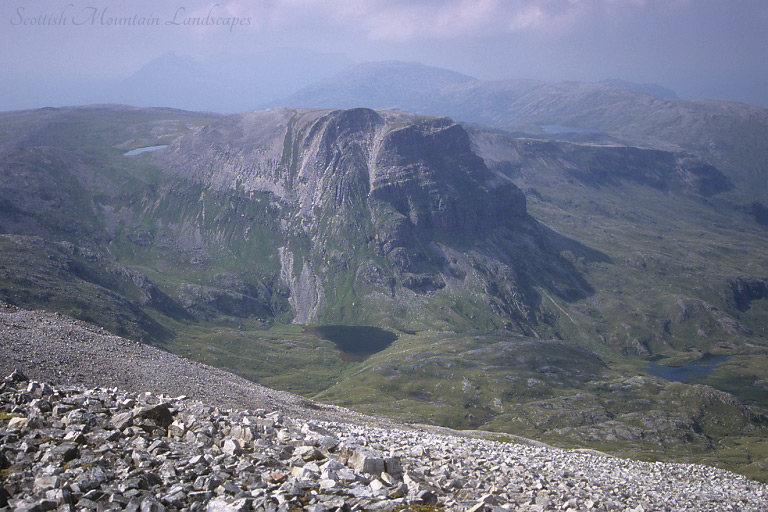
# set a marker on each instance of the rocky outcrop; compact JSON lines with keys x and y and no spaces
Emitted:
{"x":205,"y":302}
{"x":600,"y":166}
{"x":730,"y":136}
{"x":306,"y":293}
{"x":381,"y":190}
{"x":743,"y":291}
{"x":428,"y":173}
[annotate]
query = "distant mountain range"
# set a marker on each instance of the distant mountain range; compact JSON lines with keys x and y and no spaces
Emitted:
{"x":728,"y":135}
{"x":225,"y":82}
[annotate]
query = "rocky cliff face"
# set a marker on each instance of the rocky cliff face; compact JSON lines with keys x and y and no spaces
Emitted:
{"x":527,"y":160}
{"x":378,"y":215}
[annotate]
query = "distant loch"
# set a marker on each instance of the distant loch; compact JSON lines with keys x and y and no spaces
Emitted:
{"x":700,"y":368}
{"x":355,"y":343}
{"x":138,"y":151}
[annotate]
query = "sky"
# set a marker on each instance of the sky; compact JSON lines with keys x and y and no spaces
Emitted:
{"x":54,"y":52}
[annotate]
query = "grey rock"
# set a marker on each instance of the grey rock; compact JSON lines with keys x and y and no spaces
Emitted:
{"x":4,"y":497}
{"x":61,"y":453}
{"x":62,"y":497}
{"x":16,"y":376}
{"x":122,"y":420}
{"x":223,"y":505}
{"x":244,"y":433}
{"x":201,"y":496}
{"x":150,"y":504}
{"x":364,"y":461}
{"x":232,"y":447}
{"x":44,"y":483}
{"x":426,"y":497}
{"x":308,"y":453}
{"x":160,"y":414}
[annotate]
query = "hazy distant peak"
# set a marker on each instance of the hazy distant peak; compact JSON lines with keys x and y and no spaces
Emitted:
{"x":399,"y":74}
{"x":655,"y":90}
{"x":383,"y":84}
{"x":407,"y":67}
{"x":225,"y":82}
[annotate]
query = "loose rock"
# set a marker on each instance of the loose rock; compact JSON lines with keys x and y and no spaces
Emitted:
{"x":105,"y":449}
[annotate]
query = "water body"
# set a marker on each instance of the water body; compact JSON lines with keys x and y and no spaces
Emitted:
{"x":701,"y":368}
{"x":138,"y":151}
{"x":356,"y":343}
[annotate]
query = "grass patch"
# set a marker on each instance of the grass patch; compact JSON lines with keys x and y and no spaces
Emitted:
{"x":420,"y":508}
{"x":283,"y":357}
{"x":6,"y":416}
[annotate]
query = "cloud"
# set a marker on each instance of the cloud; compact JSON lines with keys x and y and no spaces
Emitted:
{"x":409,"y":20}
{"x":412,"y":20}
{"x":406,"y":20}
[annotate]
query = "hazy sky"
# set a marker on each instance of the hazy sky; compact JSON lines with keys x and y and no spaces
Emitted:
{"x":699,"y":48}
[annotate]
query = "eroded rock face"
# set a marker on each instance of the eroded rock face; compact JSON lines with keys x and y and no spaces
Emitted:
{"x":744,"y":291}
{"x":71,"y":448}
{"x":428,"y":173}
{"x":203,"y":302}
